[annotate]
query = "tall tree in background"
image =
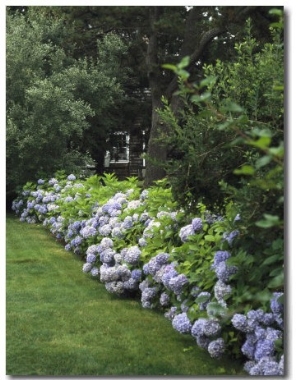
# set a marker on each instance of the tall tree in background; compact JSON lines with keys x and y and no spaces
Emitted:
{"x":53,"y":97}
{"x":153,"y":36}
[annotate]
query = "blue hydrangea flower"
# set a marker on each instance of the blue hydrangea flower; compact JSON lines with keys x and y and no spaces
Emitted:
{"x":88,"y":231}
{"x":216,"y":348}
{"x":41,"y":182}
{"x":105,"y":230}
{"x":136,"y":274}
{"x":170,"y":314}
{"x":115,"y":287}
{"x":198,"y":327}
{"x":132,"y":255}
{"x":164,"y":299}
{"x":203,"y":341}
{"x":94,"y":272}
{"x":127,"y":222}
{"x":87,"y":267}
{"x":223,"y":271}
{"x":131,"y":284}
{"x":177,"y":283}
{"x":266,"y":366}
{"x":181,"y":323}
{"x":264,"y":347}
{"x":146,"y":268}
{"x":230,"y":236}
{"x":91,"y":258}
{"x":219,"y":257}
{"x":185,"y":232}
{"x":240,"y":322}
{"x":197,"y":224}
{"x":144,"y":284}
{"x":207,"y":327}
{"x":117,"y":232}
{"x":105,"y":243}
{"x":144,"y":194}
{"x":71,"y":177}
{"x":123,"y":272}
{"x":52,"y":181}
{"x":248,"y":348}
{"x":107,"y":256}
{"x":221,"y":290}
{"x":276,"y":307}
{"x":142,"y":242}
{"x":169,"y":273}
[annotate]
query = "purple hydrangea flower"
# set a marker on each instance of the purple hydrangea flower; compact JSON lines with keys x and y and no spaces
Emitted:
{"x":169,"y":273}
{"x":197,"y":224}
{"x":164,"y":299}
{"x":231,"y":236}
{"x":71,"y":177}
{"x":170,"y":314}
{"x":127,"y":223}
{"x":216,"y":348}
{"x":91,"y":258}
{"x":105,"y":243}
{"x":185,"y":232}
{"x":203,"y":341}
{"x":219,"y":257}
{"x":221,"y":290}
{"x":207,"y":327}
{"x":132,"y":255}
{"x":87,"y":267}
{"x":177,"y":283}
{"x":223,"y":271}
{"x":107,"y":256}
{"x":105,"y":230}
{"x":94,"y":272}
{"x":276,"y":307}
{"x":136,"y":274}
{"x":181,"y":323}
{"x":240,"y":322}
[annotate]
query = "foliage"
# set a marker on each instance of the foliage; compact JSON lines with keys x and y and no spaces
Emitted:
{"x":52,"y":98}
{"x":234,"y":99}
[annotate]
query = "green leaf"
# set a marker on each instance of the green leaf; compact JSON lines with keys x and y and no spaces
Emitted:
{"x":201,"y":98}
{"x":184,"y":62}
{"x":272,"y":259}
{"x":210,"y":80}
{"x":269,"y":221}
{"x":209,"y":238}
{"x":245,"y":170}
{"x":277,"y":282}
{"x":262,"y":143}
{"x":169,"y":67}
{"x":232,"y":107}
{"x":263,"y":161}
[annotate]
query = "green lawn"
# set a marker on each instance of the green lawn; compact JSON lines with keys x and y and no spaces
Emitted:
{"x":61,"y":322}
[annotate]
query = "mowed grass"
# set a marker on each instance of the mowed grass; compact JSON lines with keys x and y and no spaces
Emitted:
{"x":61,"y":322}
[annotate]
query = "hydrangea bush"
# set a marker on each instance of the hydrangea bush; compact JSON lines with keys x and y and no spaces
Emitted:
{"x":138,"y":242}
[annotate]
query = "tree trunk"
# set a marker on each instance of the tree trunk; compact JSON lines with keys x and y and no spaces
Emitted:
{"x":193,"y":45}
{"x":157,"y":151}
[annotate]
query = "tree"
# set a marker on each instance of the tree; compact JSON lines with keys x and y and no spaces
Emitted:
{"x":51,"y":96}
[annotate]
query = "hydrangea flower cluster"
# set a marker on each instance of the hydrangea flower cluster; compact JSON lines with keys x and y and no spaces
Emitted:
{"x":223,"y":272}
{"x":261,"y":329}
